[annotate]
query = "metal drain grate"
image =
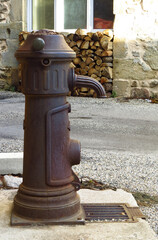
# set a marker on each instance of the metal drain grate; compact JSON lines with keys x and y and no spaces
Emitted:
{"x":111,"y":212}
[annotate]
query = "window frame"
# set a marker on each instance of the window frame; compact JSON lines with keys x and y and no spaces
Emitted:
{"x":59,"y":17}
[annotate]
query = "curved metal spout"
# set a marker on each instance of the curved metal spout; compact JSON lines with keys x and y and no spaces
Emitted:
{"x":84,"y":81}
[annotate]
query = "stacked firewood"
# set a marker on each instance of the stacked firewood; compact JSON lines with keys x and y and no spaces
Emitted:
{"x":94,"y":58}
{"x":22,"y":37}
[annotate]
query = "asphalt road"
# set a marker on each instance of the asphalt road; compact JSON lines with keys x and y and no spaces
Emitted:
{"x":101,"y":124}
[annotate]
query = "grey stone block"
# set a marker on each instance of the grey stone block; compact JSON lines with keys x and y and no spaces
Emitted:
{"x":16,"y":10}
{"x":10,"y":30}
{"x":15,"y":29}
{"x":153,"y":83}
{"x":3,"y":31}
{"x":130,"y":69}
{"x":151,"y":57}
{"x":134,"y":83}
{"x":120,"y":48}
{"x":140,"y":93}
{"x":3,"y":8}
{"x":121,"y":87}
{"x":8,"y":58}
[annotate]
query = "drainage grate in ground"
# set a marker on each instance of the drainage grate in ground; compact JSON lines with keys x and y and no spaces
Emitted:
{"x":111,"y":212}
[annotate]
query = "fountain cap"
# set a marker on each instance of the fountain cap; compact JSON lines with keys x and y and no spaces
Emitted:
{"x":45,"y":43}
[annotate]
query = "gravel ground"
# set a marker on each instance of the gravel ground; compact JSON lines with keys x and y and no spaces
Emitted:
{"x":152,"y":216}
{"x":128,"y":170}
{"x":11,"y":145}
{"x":132,"y":172}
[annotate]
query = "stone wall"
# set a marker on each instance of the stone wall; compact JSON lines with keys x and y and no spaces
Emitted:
{"x":11,"y":23}
{"x":135,"y":63}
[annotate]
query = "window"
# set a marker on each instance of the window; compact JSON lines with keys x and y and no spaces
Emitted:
{"x":103,"y":14}
{"x":68,"y":15}
{"x":43,"y":14}
{"x":75,"y":14}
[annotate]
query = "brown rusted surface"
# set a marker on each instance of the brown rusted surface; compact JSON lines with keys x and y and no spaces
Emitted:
{"x":48,"y":192}
{"x":84,"y":81}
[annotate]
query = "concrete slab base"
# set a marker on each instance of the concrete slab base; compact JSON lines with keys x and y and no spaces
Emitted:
{"x":90,"y":231}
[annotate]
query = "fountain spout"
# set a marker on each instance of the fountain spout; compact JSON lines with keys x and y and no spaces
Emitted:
{"x":85,"y":81}
{"x":75,"y":80}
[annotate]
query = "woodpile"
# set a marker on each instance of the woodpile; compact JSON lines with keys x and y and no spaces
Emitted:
{"x":22,"y":37}
{"x":94,"y":58}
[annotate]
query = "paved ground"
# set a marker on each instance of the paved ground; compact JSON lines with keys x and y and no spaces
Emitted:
{"x":99,"y":124}
{"x":113,"y":125}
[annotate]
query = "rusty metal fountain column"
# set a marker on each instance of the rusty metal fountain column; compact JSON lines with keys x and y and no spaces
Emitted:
{"x":48,"y":192}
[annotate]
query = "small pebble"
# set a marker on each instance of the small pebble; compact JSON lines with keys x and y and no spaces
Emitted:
{"x":11,"y":181}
